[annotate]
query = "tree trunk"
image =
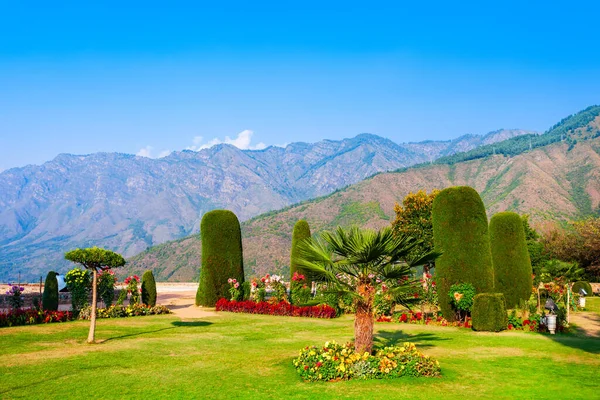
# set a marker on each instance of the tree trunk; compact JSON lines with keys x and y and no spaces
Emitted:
{"x":92,"y":333}
{"x":364,"y":320}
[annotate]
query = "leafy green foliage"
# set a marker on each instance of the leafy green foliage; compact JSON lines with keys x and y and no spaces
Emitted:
{"x":413,"y":218}
{"x":460,"y":231}
{"x":512,"y":266}
{"x":148,"y":289}
{"x":489,"y":312}
{"x":95,"y":258}
{"x":221,"y":256}
{"x":460,"y":297}
{"x":50,"y":296}
{"x":78,"y":282}
{"x":106,"y":287}
{"x":300,"y":233}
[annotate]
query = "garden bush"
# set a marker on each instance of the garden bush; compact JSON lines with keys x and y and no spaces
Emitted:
{"x":50,"y":296}
{"x":301,"y":232}
{"x":334,"y":361}
{"x":489,"y":312}
{"x":221,"y":256}
{"x":79,"y":283}
{"x":121,"y":311}
{"x":582,"y":285}
{"x":510,"y":257}
{"x":148,"y":289}
{"x":271,"y":308}
{"x":460,"y":231}
{"x":106,"y":286}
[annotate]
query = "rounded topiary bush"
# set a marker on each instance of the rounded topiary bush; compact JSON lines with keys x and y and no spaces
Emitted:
{"x":489,"y":312}
{"x":460,"y":233}
{"x":582,"y":285}
{"x":301,"y":232}
{"x":221,"y":256}
{"x":148,"y":289}
{"x":50,"y":295}
{"x":510,"y":257}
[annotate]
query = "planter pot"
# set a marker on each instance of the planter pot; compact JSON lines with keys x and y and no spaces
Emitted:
{"x":551,"y":321}
{"x":582,"y":302}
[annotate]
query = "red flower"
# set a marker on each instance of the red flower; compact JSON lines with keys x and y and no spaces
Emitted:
{"x":305,"y":367}
{"x":319,"y":363}
{"x":510,"y":326}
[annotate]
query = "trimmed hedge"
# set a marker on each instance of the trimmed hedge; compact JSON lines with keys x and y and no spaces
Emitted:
{"x":460,"y":232}
{"x":510,"y":257}
{"x":221,"y":256}
{"x":489,"y":312}
{"x":301,"y":232}
{"x":148,"y":289}
{"x":582,"y":285}
{"x":50,"y":295}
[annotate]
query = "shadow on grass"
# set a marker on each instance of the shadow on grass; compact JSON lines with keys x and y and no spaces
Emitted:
{"x":190,"y":323}
{"x":580,"y":338}
{"x":393,"y":338}
{"x":136,"y":334}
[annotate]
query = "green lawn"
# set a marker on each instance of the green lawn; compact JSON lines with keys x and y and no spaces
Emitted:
{"x":250,"y":356}
{"x":592,"y":304}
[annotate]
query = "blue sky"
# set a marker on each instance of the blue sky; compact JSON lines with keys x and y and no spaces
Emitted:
{"x":137,"y":77}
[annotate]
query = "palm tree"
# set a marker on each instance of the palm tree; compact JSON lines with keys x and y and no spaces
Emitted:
{"x":356,"y":262}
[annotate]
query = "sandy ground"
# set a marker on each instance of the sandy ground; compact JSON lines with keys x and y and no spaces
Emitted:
{"x":180,"y":299}
{"x":588,"y":322}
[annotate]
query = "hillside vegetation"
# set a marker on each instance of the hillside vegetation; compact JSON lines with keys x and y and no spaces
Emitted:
{"x":559,"y":180}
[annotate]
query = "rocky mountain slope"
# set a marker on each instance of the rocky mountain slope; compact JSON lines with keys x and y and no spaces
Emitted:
{"x":128,"y":203}
{"x":556,"y":180}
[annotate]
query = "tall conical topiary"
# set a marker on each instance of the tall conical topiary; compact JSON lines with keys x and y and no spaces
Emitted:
{"x":148,"y":289}
{"x":460,"y":233}
{"x":221,"y":256}
{"x":301,"y":232}
{"x":512,"y":266}
{"x":50,"y":295}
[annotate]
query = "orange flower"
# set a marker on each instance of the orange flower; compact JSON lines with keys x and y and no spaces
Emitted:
{"x":458,"y":296}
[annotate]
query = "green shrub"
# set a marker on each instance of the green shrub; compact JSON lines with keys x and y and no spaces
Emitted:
{"x":301,"y":232}
{"x":106,"y":286}
{"x":461,"y":297}
{"x":148,"y":289}
{"x":221,"y":256}
{"x":510,"y":257}
{"x":582,"y":285}
{"x":50,"y":296}
{"x":489,"y":312}
{"x":460,"y":231}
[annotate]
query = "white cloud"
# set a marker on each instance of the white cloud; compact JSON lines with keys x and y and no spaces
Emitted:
{"x":242,"y":141}
{"x":164,"y":153}
{"x":148,"y":152}
{"x":145,"y":152}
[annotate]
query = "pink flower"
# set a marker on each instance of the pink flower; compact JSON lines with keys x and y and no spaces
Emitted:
{"x":236,"y":285}
{"x":229,"y":280}
{"x":234,"y":280}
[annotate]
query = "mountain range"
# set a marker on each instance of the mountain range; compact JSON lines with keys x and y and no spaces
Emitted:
{"x":553,"y":176}
{"x":128,"y":203}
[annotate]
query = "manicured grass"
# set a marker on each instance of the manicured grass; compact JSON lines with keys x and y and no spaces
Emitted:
{"x":592,"y":304}
{"x":250,"y":357}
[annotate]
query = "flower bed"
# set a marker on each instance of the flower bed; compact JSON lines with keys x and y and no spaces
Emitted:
{"x":341,"y":362}
{"x":281,"y":308}
{"x":121,"y":311}
{"x":33,"y":316}
{"x":417,"y":318}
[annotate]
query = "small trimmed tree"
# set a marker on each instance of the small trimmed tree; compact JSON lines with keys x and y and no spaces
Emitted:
{"x":148,"y":289}
{"x":95,"y":259}
{"x":489,"y":312}
{"x":50,"y":295}
{"x":460,"y":233}
{"x":582,"y":285}
{"x":510,"y":257}
{"x":222,"y":256}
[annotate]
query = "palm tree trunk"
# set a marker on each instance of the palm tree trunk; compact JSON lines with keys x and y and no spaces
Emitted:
{"x":364,"y":320}
{"x":92,"y":333}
